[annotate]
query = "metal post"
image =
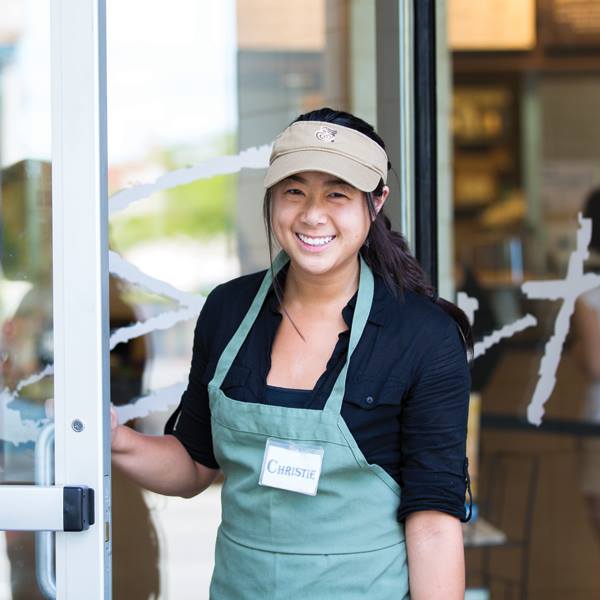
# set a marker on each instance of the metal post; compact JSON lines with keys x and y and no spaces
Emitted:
{"x":395,"y":106}
{"x":426,"y":166}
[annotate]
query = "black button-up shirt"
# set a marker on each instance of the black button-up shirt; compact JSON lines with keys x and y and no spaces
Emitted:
{"x":407,"y":387}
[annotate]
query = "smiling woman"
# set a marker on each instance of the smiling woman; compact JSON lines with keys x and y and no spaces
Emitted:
{"x":319,"y":221}
{"x":338,"y":361}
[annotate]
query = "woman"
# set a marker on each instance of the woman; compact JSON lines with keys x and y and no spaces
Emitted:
{"x":332,"y":392}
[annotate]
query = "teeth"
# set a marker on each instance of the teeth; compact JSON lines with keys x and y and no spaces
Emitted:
{"x":315,"y":241}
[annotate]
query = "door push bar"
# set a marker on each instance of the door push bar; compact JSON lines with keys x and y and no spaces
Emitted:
{"x":46,"y":508}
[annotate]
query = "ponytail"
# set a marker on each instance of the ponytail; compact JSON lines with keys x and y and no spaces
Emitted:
{"x":389,"y":256}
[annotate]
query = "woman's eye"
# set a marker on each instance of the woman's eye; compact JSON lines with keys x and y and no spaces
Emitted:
{"x":337,"y":195}
{"x":293,"y":191}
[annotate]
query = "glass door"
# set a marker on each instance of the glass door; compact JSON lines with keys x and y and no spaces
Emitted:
{"x":54,"y":476}
{"x":193,"y":107}
{"x":518,"y":242}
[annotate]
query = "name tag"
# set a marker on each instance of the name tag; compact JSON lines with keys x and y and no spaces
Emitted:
{"x":291,"y":466}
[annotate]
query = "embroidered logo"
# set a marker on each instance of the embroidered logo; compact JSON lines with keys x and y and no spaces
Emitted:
{"x":325,"y":134}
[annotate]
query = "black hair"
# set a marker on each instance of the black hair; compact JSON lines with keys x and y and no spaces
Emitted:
{"x":591,"y":210}
{"x":385,"y":251}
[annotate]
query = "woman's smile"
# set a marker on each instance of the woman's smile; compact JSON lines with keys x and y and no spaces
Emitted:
{"x":313,"y":243}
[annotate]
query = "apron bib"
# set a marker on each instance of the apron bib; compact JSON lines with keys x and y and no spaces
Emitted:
{"x":276,"y":544}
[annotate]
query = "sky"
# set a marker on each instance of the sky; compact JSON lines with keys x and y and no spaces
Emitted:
{"x":171,"y":78}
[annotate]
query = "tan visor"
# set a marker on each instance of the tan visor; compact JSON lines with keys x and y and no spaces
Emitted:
{"x":329,"y":148}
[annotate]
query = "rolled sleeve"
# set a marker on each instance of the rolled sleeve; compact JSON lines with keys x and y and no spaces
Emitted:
{"x":434,"y":429}
{"x":190,"y":423}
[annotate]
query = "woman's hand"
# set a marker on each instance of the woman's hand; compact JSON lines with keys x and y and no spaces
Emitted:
{"x":117,"y":435}
{"x":114,"y":424}
{"x":158,"y":463}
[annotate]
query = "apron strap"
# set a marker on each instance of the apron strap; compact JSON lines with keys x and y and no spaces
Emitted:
{"x":361,"y":314}
{"x":235,"y":343}
{"x":362,"y":309}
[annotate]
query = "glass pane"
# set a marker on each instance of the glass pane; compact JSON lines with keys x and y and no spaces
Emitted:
{"x":525,"y":169}
{"x":194,"y":96}
{"x":26,"y":266}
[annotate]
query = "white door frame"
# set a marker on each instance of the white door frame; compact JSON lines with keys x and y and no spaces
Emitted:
{"x":80,"y":284}
{"x":80,"y":304}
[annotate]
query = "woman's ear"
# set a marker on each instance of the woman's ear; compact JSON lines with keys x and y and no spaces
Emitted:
{"x":379,"y":201}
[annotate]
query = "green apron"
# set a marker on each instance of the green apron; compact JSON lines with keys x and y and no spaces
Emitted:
{"x":343,"y":543}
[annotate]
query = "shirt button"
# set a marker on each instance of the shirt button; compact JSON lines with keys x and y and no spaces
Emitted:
{"x":369,"y":399}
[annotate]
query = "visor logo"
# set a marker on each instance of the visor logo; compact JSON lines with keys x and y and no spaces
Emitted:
{"x":325,"y":134}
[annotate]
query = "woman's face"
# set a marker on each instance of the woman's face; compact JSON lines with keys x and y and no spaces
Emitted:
{"x":320,"y":220}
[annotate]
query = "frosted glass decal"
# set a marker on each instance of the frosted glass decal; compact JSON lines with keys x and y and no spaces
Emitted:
{"x":13,"y":427}
{"x":575,"y":283}
{"x":163,"y":321}
{"x":192,"y":303}
{"x":157,"y":400}
{"x":251,"y":158}
{"x":568,"y":290}
{"x":123,"y":269}
{"x":468,"y":304}
{"x":503,"y":333}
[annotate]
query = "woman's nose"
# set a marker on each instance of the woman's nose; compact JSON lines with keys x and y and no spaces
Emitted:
{"x":314,"y":212}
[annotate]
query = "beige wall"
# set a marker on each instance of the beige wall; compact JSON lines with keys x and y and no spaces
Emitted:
{"x":276,"y":25}
{"x":491,"y":25}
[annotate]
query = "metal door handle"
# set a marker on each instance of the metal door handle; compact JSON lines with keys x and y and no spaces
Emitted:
{"x":45,"y":508}
{"x":45,"y":572}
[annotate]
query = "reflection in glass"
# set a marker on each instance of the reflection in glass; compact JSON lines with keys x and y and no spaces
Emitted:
{"x":25,"y":267}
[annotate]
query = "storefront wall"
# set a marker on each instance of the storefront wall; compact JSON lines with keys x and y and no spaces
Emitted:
{"x":196,"y":93}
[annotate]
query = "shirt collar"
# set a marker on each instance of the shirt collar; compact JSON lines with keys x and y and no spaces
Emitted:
{"x":382,"y":297}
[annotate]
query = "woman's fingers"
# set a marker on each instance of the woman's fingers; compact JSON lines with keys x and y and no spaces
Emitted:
{"x":114,"y":421}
